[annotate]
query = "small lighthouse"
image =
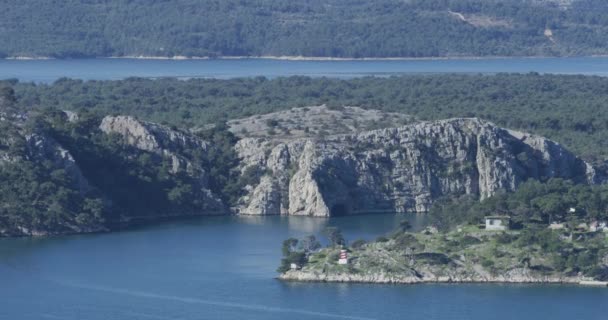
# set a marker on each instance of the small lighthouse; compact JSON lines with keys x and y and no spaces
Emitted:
{"x":343,"y":257}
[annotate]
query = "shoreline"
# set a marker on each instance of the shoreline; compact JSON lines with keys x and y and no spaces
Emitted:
{"x":303,"y":58}
{"x":299,"y":276}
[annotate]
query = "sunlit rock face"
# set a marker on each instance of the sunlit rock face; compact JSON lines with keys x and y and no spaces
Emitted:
{"x":400,"y":169}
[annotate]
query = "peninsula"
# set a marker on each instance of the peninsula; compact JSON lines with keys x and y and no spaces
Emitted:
{"x":465,"y":255}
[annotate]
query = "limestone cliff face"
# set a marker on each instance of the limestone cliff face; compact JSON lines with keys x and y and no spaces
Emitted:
{"x":271,"y":195}
{"x":400,"y":169}
{"x":169,"y":144}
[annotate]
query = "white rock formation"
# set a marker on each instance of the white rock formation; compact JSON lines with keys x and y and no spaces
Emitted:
{"x":400,"y":169}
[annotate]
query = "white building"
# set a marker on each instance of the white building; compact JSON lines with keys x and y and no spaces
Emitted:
{"x":556,"y":226}
{"x":497,"y":223}
{"x":343,"y":257}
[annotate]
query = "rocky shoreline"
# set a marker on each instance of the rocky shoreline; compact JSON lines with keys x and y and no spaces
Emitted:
{"x":311,"y":58}
{"x":301,"y":276}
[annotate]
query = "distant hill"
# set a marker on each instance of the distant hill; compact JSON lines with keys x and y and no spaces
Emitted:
{"x":313,"y":28}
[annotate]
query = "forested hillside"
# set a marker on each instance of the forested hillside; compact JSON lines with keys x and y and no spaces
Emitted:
{"x":569,"y":109}
{"x":66,"y":175}
{"x":334,"y":28}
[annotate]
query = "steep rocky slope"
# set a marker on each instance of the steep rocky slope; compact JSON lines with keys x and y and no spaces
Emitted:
{"x":399,"y":169}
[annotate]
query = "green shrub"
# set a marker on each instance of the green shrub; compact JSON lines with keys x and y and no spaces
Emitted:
{"x":382,"y":239}
{"x":487,"y":263}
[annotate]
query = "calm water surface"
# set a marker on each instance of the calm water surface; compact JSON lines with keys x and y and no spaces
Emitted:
{"x":223,"y":268}
{"x":112,"y":69}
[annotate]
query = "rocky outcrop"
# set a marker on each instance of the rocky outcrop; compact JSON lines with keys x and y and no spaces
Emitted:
{"x":169,"y":144}
{"x":271,"y":195}
{"x":401,"y":169}
{"x":154,"y":138}
{"x":314,"y":121}
{"x":265,"y":198}
{"x":149,"y":136}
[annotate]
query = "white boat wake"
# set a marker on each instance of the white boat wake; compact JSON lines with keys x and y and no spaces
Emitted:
{"x":190,"y":300}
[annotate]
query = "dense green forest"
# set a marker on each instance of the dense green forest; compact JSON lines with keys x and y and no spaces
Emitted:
{"x":569,"y":109}
{"x":36,"y":193}
{"x":334,"y":28}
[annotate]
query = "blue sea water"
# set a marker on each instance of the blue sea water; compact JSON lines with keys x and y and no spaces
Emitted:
{"x":112,"y":69}
{"x":224,"y":268}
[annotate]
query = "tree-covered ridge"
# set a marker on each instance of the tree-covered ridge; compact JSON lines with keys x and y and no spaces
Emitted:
{"x":568,"y":109}
{"x":62,"y":174}
{"x":336,"y":28}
